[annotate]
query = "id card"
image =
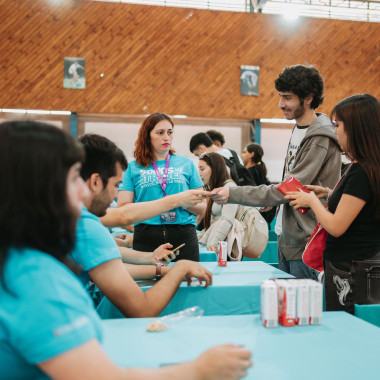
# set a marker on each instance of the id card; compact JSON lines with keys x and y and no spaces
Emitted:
{"x":168,"y":217}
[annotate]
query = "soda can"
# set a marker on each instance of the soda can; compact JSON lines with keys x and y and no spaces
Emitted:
{"x":269,"y":304}
{"x":316,"y":302}
{"x":302,"y":301}
{"x":286,"y":303}
{"x":222,"y":253}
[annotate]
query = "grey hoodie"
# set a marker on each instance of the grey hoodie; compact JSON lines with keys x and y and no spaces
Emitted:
{"x":318,"y":162}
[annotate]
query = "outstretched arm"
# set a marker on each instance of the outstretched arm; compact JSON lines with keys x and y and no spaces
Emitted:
{"x":89,"y":361}
{"x":114,"y":281}
{"x":128,"y":212}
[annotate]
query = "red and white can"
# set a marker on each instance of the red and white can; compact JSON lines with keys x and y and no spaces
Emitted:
{"x":269,"y":303}
{"x":222,"y":253}
{"x":302,"y":301}
{"x":286,"y":303}
{"x":316,"y":302}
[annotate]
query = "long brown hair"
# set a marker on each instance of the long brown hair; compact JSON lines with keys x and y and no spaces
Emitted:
{"x":360,"y":115}
{"x":219,"y":176}
{"x":143,"y":153}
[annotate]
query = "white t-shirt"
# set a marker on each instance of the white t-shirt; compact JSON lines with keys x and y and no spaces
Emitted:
{"x":295,"y":140}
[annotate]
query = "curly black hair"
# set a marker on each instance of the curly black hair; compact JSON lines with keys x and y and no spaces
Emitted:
{"x":302,"y":80}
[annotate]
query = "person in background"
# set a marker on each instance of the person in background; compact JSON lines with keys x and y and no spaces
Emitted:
{"x":213,"y":172}
{"x":202,"y":143}
{"x":156,"y":173}
{"x":61,"y":336}
{"x":252,"y":157}
{"x":352,"y":220}
{"x":313,"y":157}
{"x":216,"y":137}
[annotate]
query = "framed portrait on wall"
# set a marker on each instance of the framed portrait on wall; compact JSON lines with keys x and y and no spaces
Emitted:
{"x":74,"y":73}
{"x":249,"y":80}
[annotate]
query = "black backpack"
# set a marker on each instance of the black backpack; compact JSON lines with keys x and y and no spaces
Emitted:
{"x":239,"y":173}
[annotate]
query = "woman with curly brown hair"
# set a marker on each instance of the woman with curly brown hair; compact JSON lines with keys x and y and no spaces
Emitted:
{"x":158,"y":172}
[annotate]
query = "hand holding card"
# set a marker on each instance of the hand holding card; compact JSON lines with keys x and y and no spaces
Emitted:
{"x":292,"y":184}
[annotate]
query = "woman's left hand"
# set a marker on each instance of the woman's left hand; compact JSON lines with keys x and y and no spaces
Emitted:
{"x":301,"y":199}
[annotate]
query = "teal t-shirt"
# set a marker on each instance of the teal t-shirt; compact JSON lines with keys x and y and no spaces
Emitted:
{"x":182,"y":175}
{"x":94,"y":244}
{"x":45,"y":313}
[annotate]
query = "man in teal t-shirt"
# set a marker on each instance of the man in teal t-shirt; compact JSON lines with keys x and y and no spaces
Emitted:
{"x":98,"y":253}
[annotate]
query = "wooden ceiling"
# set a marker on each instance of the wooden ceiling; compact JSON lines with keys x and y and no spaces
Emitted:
{"x":173,"y":60}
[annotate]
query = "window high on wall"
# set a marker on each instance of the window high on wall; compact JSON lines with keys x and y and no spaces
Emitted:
{"x":365,"y":10}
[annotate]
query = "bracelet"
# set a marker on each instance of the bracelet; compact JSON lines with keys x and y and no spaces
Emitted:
{"x":158,"y":271}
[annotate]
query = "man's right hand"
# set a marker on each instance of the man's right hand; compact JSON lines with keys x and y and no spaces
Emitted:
{"x":220,"y":195}
{"x":194,"y":269}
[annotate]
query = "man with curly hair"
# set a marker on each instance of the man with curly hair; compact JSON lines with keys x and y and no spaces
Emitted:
{"x":313,"y":157}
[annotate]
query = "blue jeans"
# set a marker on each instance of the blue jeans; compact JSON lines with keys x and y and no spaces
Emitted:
{"x":296,"y":268}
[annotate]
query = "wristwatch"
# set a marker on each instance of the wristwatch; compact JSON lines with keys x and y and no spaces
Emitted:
{"x":158,"y":271}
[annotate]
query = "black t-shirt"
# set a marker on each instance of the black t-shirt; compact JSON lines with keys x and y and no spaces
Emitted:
{"x":362,"y":238}
{"x":257,"y":175}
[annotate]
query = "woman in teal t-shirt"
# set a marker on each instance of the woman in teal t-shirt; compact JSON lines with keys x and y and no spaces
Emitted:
{"x":158,"y":172}
{"x":48,"y":325}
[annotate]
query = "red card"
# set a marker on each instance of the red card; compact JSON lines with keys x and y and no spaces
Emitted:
{"x":293,"y":184}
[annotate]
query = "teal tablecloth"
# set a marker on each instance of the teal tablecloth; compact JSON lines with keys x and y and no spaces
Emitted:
{"x":343,"y":347}
{"x":369,"y":313}
{"x":206,"y":255}
{"x":235,"y":290}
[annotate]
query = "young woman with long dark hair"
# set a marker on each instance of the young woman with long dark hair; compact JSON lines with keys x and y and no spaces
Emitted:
{"x":48,"y":325}
{"x":214,"y":174}
{"x":352,"y":253}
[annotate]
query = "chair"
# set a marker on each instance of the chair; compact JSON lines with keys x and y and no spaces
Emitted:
{"x":369,"y":313}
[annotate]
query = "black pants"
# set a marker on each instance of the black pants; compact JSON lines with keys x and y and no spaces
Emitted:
{"x":148,"y":237}
{"x":352,"y":282}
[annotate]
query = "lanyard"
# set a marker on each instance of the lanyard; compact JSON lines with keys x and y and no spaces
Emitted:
{"x":164,"y":179}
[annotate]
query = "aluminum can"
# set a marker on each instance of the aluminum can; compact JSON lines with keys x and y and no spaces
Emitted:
{"x":302,"y":301}
{"x":316,"y":302}
{"x":286,"y":303}
{"x":269,"y":304}
{"x":222,"y":253}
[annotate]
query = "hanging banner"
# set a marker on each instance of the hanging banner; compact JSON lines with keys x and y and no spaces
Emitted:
{"x":249,"y":80}
{"x":74,"y":75}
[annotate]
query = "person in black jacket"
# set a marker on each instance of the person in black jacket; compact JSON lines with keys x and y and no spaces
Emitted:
{"x":252,"y":157}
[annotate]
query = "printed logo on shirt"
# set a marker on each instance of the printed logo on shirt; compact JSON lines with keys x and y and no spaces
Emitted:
{"x":77,"y":324}
{"x":149,"y":178}
{"x":290,"y":158}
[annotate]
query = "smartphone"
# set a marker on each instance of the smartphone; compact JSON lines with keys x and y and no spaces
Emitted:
{"x":176,"y":249}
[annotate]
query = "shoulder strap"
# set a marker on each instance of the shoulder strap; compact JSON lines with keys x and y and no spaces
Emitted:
{"x":229,"y":161}
{"x":235,"y":156}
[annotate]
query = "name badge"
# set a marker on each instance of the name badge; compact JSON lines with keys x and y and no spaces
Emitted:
{"x":168,"y":217}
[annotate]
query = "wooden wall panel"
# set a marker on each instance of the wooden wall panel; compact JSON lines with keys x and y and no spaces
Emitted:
{"x":173,"y":60}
